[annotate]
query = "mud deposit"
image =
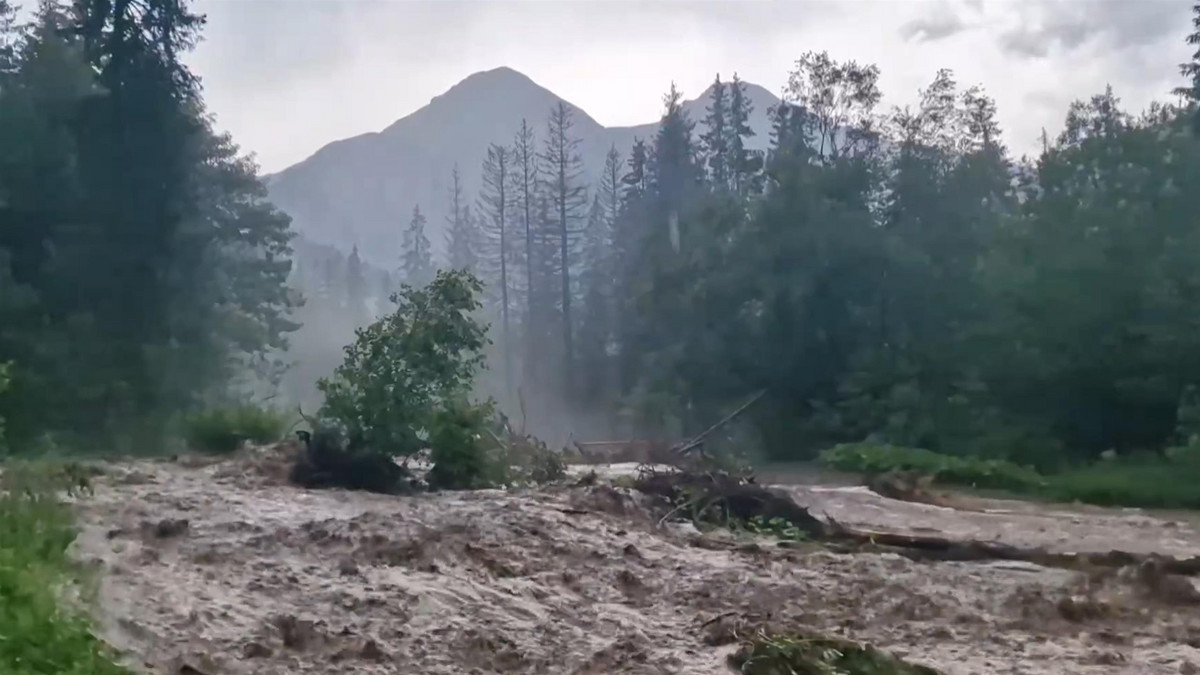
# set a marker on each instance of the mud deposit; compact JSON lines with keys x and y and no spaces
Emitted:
{"x":219,"y":569}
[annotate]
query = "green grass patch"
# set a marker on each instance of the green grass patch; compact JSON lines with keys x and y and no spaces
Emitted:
{"x":873,"y":459}
{"x":1152,"y":484}
{"x":223,"y":430}
{"x":799,"y":654}
{"x":1150,"y":481}
{"x":39,"y":635}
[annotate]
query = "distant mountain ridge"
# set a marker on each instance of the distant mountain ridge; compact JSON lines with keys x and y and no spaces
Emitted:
{"x":362,"y":190}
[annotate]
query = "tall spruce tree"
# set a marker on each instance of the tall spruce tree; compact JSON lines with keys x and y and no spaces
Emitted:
{"x":1191,"y":70}
{"x":525,"y":188}
{"x":717,"y":136}
{"x":417,"y":263}
{"x":144,"y":235}
{"x":610,"y":187}
{"x":595,"y":315}
{"x":9,"y":36}
{"x":563,"y":176}
{"x":674,"y":171}
{"x":744,"y":165}
{"x":496,"y":205}
{"x":462,"y":238}
{"x":135,"y":145}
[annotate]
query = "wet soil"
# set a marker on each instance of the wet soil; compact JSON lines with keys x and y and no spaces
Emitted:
{"x":221,"y":568}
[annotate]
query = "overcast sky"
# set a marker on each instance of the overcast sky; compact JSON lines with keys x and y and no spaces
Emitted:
{"x":288,"y":76}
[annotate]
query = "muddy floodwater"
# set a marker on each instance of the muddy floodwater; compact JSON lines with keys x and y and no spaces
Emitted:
{"x":222,"y":569}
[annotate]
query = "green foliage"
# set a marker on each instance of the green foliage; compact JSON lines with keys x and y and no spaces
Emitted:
{"x":225,"y":429}
{"x":872,"y":459}
{"x":776,"y":527}
{"x":473,"y":448}
{"x":417,"y":264}
{"x":1147,"y":481}
{"x":893,"y":282}
{"x":406,"y":371}
{"x":38,"y":634}
{"x":527,"y":460}
{"x":766,"y":653}
{"x":141,"y":267}
{"x":463,"y":458}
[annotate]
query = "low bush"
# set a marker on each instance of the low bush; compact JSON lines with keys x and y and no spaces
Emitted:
{"x":39,"y":635}
{"x":225,"y":429}
{"x":1168,"y":482}
{"x":872,"y":459}
{"x":463,"y":457}
{"x":409,"y":367}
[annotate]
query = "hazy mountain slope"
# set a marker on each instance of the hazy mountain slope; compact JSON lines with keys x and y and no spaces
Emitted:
{"x":362,"y":190}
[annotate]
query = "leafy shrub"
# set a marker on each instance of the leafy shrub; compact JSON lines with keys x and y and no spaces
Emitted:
{"x":462,"y":458}
{"x":528,"y":460}
{"x":475,"y":448}
{"x":37,"y":635}
{"x":225,"y":429}
{"x":405,"y":368}
{"x":872,"y":459}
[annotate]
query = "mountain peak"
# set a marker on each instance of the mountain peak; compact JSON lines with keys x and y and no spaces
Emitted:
{"x":357,"y":191}
{"x":497,"y":82}
{"x":501,"y":74}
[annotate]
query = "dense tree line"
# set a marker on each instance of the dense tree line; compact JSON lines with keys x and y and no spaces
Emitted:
{"x":882,"y":273}
{"x":142,"y":271}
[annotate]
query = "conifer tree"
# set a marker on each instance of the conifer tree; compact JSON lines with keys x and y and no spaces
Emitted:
{"x":495,"y":206}
{"x":525,"y":186}
{"x":562,"y":173}
{"x":9,"y":35}
{"x":674,"y":169}
{"x":596,"y":280}
{"x":717,"y":136}
{"x":744,"y":166}
{"x":635,"y":179}
{"x":158,"y":268}
{"x":610,"y":187}
{"x":417,"y":263}
{"x":1191,"y":70}
{"x":356,"y":287}
{"x":136,"y":178}
{"x":462,"y":239}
